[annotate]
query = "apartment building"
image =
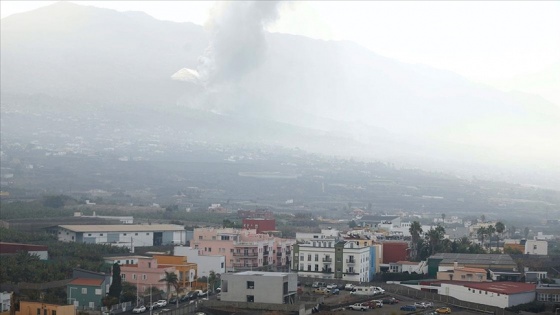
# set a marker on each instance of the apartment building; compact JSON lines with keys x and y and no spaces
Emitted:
{"x":259,"y":287}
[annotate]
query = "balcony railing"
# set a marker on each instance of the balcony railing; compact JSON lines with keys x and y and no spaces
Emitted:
{"x":327,"y":259}
{"x":353,"y":272}
{"x":266,"y":252}
{"x":350,"y":261}
{"x":246,"y":254}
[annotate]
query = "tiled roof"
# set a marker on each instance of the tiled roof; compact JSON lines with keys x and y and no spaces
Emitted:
{"x":86,"y":281}
{"x":503,"y":287}
{"x":474,"y":259}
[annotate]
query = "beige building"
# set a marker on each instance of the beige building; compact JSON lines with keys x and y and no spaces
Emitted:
{"x":39,"y":308}
{"x":463,"y":274}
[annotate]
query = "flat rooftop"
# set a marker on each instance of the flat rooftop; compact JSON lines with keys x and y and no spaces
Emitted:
{"x":124,"y":228}
{"x":262,"y":273}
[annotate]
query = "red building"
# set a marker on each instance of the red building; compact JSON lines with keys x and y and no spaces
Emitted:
{"x":261,"y":225}
{"x":395,"y":251}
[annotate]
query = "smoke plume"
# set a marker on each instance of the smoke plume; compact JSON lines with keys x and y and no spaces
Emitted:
{"x":237,"y":47}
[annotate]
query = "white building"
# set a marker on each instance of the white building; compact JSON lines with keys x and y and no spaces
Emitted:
{"x":259,"y":287}
{"x":536,"y":247}
{"x":326,"y":234}
{"x":500,"y":294}
{"x":328,"y":259}
{"x":123,"y":235}
{"x":216,"y":263}
{"x":5,"y":301}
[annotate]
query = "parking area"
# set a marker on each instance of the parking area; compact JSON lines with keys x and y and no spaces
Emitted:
{"x":338,"y":303}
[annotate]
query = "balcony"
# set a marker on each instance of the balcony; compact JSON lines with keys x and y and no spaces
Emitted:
{"x":242,"y":265}
{"x":350,"y":261}
{"x":246,"y":254}
{"x":327,"y":260}
{"x":266,"y":252}
{"x":351,"y":272}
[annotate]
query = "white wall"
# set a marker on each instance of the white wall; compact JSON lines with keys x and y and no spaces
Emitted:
{"x":484,"y":297}
{"x":205,"y":264}
{"x":534,"y":247}
{"x":6,"y":300}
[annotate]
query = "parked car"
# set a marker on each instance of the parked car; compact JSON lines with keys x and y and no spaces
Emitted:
{"x":408,"y":308}
{"x":335,"y":291}
{"x":315,"y":285}
{"x":162,"y":303}
{"x":379,"y":303}
{"x":139,"y":309}
{"x":390,"y":300}
{"x":173,"y":300}
{"x":349,"y":287}
{"x":423,"y":304}
{"x":443,"y":310}
{"x":219,"y":296}
{"x":370,"y":304}
{"x":331,"y":286}
{"x":358,"y":307}
{"x":321,"y":291}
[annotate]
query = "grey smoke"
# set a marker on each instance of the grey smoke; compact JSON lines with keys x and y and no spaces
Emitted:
{"x":237,"y":46}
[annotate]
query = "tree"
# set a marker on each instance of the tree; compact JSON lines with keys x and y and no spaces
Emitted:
{"x":212,"y":278}
{"x":434,"y":238}
{"x":481,"y":233}
{"x":415,"y":231}
{"x":500,"y":228}
{"x":490,"y":230}
{"x":116,"y":286}
{"x":170,"y":279}
{"x":443,"y":217}
{"x":526,"y":232}
{"x":352,"y":224}
{"x":483,"y":218}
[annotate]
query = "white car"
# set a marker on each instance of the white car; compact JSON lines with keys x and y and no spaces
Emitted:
{"x":379,"y":290}
{"x":358,"y":307}
{"x":332,"y":286}
{"x":139,"y":309}
{"x":349,"y":287}
{"x":161,"y":303}
{"x":423,"y":305}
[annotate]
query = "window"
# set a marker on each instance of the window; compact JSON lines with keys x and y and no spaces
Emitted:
{"x":200,"y":237}
{"x":316,"y":257}
{"x":209,"y":249}
{"x":250,"y":285}
{"x":89,"y":234}
{"x":316,"y":267}
{"x":101,"y":234}
{"x":38,"y":311}
{"x":136,"y":234}
{"x":301,"y":267}
{"x":149,"y":265}
{"x":124,"y":234}
{"x":134,"y":277}
{"x":84,"y":290}
{"x":92,"y":304}
{"x":222,"y":265}
{"x":250,"y":298}
{"x":309,"y":257}
{"x":144,"y":277}
{"x":97,"y":291}
{"x":148,"y":233}
{"x":123,"y":277}
{"x":308,"y":267}
{"x":53,"y":312}
{"x":302,"y":258}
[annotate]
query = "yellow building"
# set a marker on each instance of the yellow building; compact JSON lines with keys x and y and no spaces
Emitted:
{"x":39,"y":308}
{"x":187,"y":271}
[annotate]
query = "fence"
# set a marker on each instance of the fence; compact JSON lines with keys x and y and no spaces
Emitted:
{"x":434,"y":297}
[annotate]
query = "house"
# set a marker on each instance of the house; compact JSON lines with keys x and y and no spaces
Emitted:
{"x":243,"y":249}
{"x":260,"y":224}
{"x":463,"y":274}
{"x":447,"y":261}
{"x":535,"y":276}
{"x":205,"y":263}
{"x":123,"y":235}
{"x":394,"y":251}
{"x":86,"y":293}
{"x":28,"y":307}
{"x":408,"y":267}
{"x":186,"y":271}
{"x":259,"y":287}
{"x":40,"y":251}
{"x":146,"y":273}
{"x":548,"y":293}
{"x":500,"y":294}
{"x":497,"y":274}
{"x":328,"y":259}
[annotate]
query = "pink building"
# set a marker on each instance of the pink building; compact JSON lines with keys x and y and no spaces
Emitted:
{"x":243,"y":249}
{"x":146,"y":273}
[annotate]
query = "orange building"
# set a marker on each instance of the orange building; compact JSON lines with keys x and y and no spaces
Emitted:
{"x":39,"y":308}
{"x":188,"y":272}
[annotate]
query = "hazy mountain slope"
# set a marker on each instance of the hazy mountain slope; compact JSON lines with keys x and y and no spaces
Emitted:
{"x":89,"y":57}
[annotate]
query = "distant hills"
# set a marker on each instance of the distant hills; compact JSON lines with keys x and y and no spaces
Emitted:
{"x":326,"y":96}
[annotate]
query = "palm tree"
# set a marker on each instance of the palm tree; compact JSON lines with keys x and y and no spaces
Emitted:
{"x":490,"y":230}
{"x":434,"y":237}
{"x":415,"y":231}
{"x":481,"y":233}
{"x":500,"y":228}
{"x":212,"y":280}
{"x":170,"y":279}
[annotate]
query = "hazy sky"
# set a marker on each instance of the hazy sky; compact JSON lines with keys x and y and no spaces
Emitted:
{"x":506,"y":44}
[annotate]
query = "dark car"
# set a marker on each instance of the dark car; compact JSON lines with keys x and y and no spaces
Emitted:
{"x":173,"y":300}
{"x":391,"y":300}
{"x":408,"y":308}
